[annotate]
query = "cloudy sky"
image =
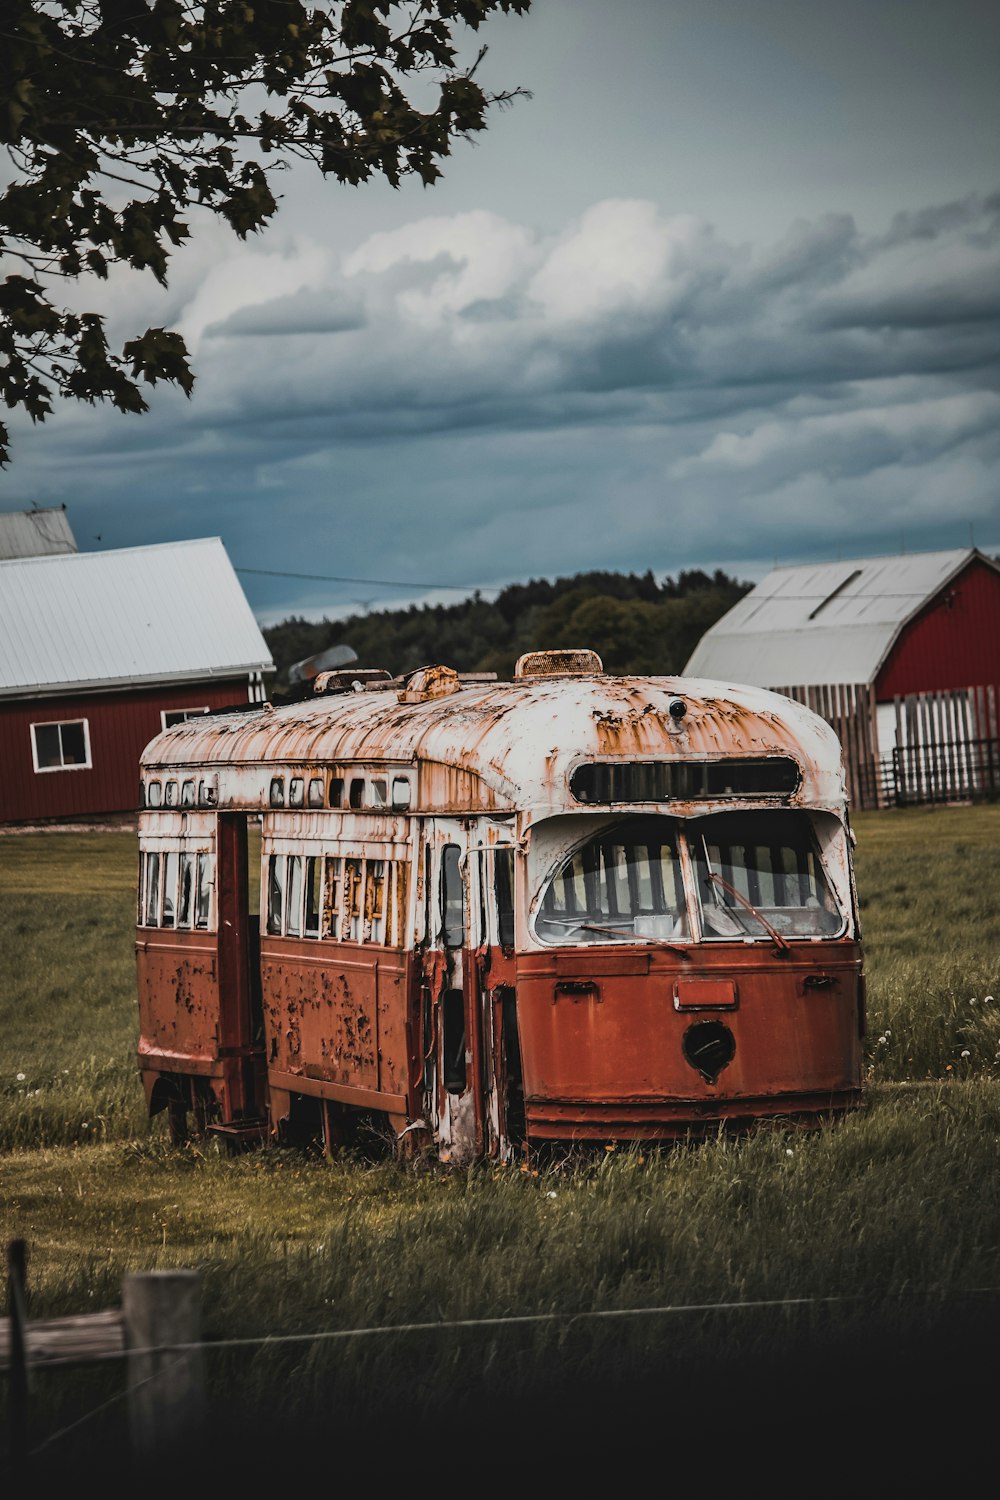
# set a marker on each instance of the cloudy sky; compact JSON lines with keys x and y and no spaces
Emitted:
{"x":724,"y":292}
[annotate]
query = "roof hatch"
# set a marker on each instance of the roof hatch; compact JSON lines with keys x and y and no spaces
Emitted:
{"x":558,"y":664}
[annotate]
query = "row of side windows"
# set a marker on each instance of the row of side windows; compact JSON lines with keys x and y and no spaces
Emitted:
{"x":186,"y":793}
{"x":352,"y":900}
{"x":372,"y":792}
{"x":175,"y":888}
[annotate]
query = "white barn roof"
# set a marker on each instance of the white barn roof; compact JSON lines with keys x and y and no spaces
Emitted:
{"x":825,"y":622}
{"x":35,"y":533}
{"x":136,"y":615}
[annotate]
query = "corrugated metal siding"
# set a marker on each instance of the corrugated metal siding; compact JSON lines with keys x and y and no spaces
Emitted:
{"x":139,"y":614}
{"x":859,"y":608}
{"x":955,"y":643}
{"x":35,"y":533}
{"x":120,"y":724}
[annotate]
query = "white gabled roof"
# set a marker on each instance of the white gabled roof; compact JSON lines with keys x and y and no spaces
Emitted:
{"x":137,"y":615}
{"x":35,"y":533}
{"x":824,"y":622}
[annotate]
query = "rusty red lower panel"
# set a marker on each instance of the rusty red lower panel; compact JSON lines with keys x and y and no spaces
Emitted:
{"x":669,"y":1119}
{"x":335,"y":1020}
{"x":192,"y":1027}
{"x":644,"y":1043}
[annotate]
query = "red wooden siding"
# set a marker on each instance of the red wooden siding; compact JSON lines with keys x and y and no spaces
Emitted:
{"x":953,"y":643}
{"x":120,"y":724}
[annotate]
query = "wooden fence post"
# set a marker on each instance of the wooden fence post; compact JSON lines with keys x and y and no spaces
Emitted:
{"x":162,"y":1310}
{"x":17,"y":1390}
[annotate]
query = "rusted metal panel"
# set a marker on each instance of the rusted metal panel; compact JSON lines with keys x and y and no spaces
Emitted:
{"x":622,"y":1041}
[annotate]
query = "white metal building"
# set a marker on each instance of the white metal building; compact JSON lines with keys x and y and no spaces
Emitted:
{"x":99,"y":651}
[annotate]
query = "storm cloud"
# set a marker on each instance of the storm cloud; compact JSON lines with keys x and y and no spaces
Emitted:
{"x":466,"y":400}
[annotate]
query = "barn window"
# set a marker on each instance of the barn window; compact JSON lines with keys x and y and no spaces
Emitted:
{"x":171,"y":716}
{"x":316,"y":792}
{"x":276,"y":796}
{"x":154,"y":794}
{"x":63,"y":746}
{"x":296,"y":792}
{"x":171,"y":797}
{"x":187,"y":794}
{"x":400,"y":793}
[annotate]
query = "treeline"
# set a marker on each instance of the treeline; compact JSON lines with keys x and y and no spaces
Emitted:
{"x":634,"y":623}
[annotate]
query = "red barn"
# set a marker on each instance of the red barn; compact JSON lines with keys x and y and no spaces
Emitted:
{"x":103,"y":650}
{"x":902,"y":653}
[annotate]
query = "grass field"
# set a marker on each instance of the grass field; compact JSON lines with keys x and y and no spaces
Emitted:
{"x":875,"y":1242}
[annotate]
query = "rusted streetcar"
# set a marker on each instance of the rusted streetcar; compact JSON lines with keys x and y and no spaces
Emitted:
{"x":567,"y":907}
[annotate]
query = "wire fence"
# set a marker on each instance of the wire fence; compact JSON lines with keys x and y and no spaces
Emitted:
{"x":164,"y":1361}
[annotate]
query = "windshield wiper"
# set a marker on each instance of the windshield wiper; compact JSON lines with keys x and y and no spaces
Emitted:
{"x":632,"y":937}
{"x":773,"y":933}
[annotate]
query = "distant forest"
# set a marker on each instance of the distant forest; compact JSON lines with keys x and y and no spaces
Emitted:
{"x":634,"y":624}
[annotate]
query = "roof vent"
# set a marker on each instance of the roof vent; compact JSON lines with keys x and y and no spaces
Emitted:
{"x":348,"y":681}
{"x":429,"y":682}
{"x":558,"y":664}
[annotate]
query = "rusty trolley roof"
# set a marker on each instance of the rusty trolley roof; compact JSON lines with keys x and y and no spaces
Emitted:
{"x":505,"y":746}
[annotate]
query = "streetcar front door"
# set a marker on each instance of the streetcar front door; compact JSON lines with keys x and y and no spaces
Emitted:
{"x":452,"y":1014}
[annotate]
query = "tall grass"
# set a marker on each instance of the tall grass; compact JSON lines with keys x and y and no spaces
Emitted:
{"x":927,"y":883}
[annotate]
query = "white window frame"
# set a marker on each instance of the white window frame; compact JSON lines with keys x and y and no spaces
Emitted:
{"x":184,"y":713}
{"x":84,"y":765}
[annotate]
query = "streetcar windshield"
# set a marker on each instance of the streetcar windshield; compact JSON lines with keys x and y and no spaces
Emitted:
{"x":624,"y":883}
{"x":760,"y":872}
{"x":757,"y":874}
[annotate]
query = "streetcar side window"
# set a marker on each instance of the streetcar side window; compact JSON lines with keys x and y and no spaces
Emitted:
{"x":353,"y":869}
{"x":203,"y":891}
{"x":169,"y":885}
{"x":331,"y":900}
{"x":275,"y":892}
{"x":152,"y":890}
{"x":175,"y":888}
{"x":373,"y":930}
{"x":503,"y":884}
{"x":187,"y":890}
{"x":314,"y":892}
{"x":452,"y":897}
{"x":293,"y":896}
